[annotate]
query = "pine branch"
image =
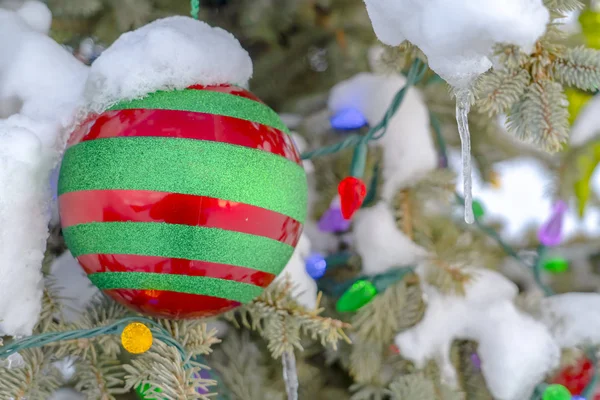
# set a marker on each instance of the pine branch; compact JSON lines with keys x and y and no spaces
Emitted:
{"x":497,"y":90}
{"x":75,"y":8}
{"x":131,"y":14}
{"x":243,"y":368}
{"x":102,"y":311}
{"x":368,"y":392}
{"x":366,"y":360}
{"x":419,"y":387}
{"x":99,"y":376}
{"x":541,"y":117}
{"x":413,"y":387}
{"x":391,"y":312}
{"x":52,"y":315}
{"x":279,"y":319}
{"x":37,"y":380}
{"x":580,"y":67}
{"x":162,"y":367}
{"x":472,"y":380}
{"x":563,"y":5}
{"x":193,"y":335}
{"x":446,"y":277}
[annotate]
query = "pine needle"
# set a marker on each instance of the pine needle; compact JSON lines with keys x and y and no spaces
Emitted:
{"x":498,"y":90}
{"x":280,"y":320}
{"x":37,"y":380}
{"x":162,"y":367}
{"x":580,"y":67}
{"x":541,"y":117}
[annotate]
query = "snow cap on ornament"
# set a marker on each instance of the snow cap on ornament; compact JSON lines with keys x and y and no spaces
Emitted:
{"x":182,"y":195}
{"x":167,"y":54}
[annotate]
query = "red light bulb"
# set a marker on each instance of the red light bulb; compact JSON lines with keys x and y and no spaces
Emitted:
{"x":352,"y":192}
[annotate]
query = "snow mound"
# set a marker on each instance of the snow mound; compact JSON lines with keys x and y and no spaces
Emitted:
{"x":573,"y":318}
{"x":379,"y":242}
{"x":40,"y":105}
{"x":37,"y":15}
{"x":408,"y":149}
{"x":515,"y":350}
{"x":305,"y":288}
{"x":23,"y":234}
{"x":457,"y":36}
{"x":75,"y":289}
{"x":169,"y":53}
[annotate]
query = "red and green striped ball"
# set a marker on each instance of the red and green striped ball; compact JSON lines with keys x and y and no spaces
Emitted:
{"x":185,"y":203}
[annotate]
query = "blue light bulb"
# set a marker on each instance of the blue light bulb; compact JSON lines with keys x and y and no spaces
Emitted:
{"x":348,"y":119}
{"x":315,"y":265}
{"x":576,"y":397}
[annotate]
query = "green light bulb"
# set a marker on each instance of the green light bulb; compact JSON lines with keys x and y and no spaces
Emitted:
{"x":359,"y":294}
{"x":478,"y":210}
{"x":143,"y":391}
{"x":556,"y":392}
{"x":555,"y":265}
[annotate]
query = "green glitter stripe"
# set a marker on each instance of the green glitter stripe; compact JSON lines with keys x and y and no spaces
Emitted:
{"x":202,"y":285}
{"x":205,"y":101}
{"x":197,"y":167}
{"x":179,"y":241}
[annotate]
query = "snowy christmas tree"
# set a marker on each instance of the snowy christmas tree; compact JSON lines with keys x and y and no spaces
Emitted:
{"x":299,"y":199}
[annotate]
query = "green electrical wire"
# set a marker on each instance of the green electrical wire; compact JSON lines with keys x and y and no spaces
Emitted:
{"x":117,"y":327}
{"x":195,"y":8}
{"x":415,"y":74}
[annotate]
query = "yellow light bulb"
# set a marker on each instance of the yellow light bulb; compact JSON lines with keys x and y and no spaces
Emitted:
{"x":136,"y":338}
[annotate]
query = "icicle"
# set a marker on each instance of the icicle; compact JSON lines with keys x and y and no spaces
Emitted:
{"x":290,"y":375}
{"x":463,"y":106}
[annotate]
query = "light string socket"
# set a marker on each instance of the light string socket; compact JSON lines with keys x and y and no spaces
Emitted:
{"x":194,"y":8}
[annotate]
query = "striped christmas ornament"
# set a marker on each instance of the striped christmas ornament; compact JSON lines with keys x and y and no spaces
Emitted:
{"x":183,"y":204}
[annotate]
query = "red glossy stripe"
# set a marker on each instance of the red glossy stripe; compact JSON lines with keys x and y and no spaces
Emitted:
{"x":174,"y":208}
{"x":187,"y":125}
{"x":93,"y":263}
{"x":172,"y":305}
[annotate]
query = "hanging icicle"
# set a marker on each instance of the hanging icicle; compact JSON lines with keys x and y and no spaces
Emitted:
{"x":290,"y":375}
{"x":463,"y":106}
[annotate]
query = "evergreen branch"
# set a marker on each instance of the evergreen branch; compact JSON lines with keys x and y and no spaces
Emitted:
{"x":541,"y":117}
{"x":413,"y":387}
{"x":193,"y":335}
{"x":37,"y":380}
{"x":163,"y":368}
{"x":419,"y":387}
{"x":563,"y":5}
{"x":498,"y":90}
{"x":391,"y":312}
{"x":366,"y":359}
{"x":244,"y":369}
{"x":579,"y":67}
{"x":446,"y":277}
{"x":368,"y":392}
{"x":99,"y":376}
{"x":279,"y":319}
{"x":52,"y":307}
{"x":101,"y":312}
{"x":70,"y":8}
{"x":512,"y":56}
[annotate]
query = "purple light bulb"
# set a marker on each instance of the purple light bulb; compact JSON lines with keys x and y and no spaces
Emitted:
{"x":550,"y":233}
{"x":332,"y":221}
{"x":476,"y":361}
{"x":204,"y":373}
